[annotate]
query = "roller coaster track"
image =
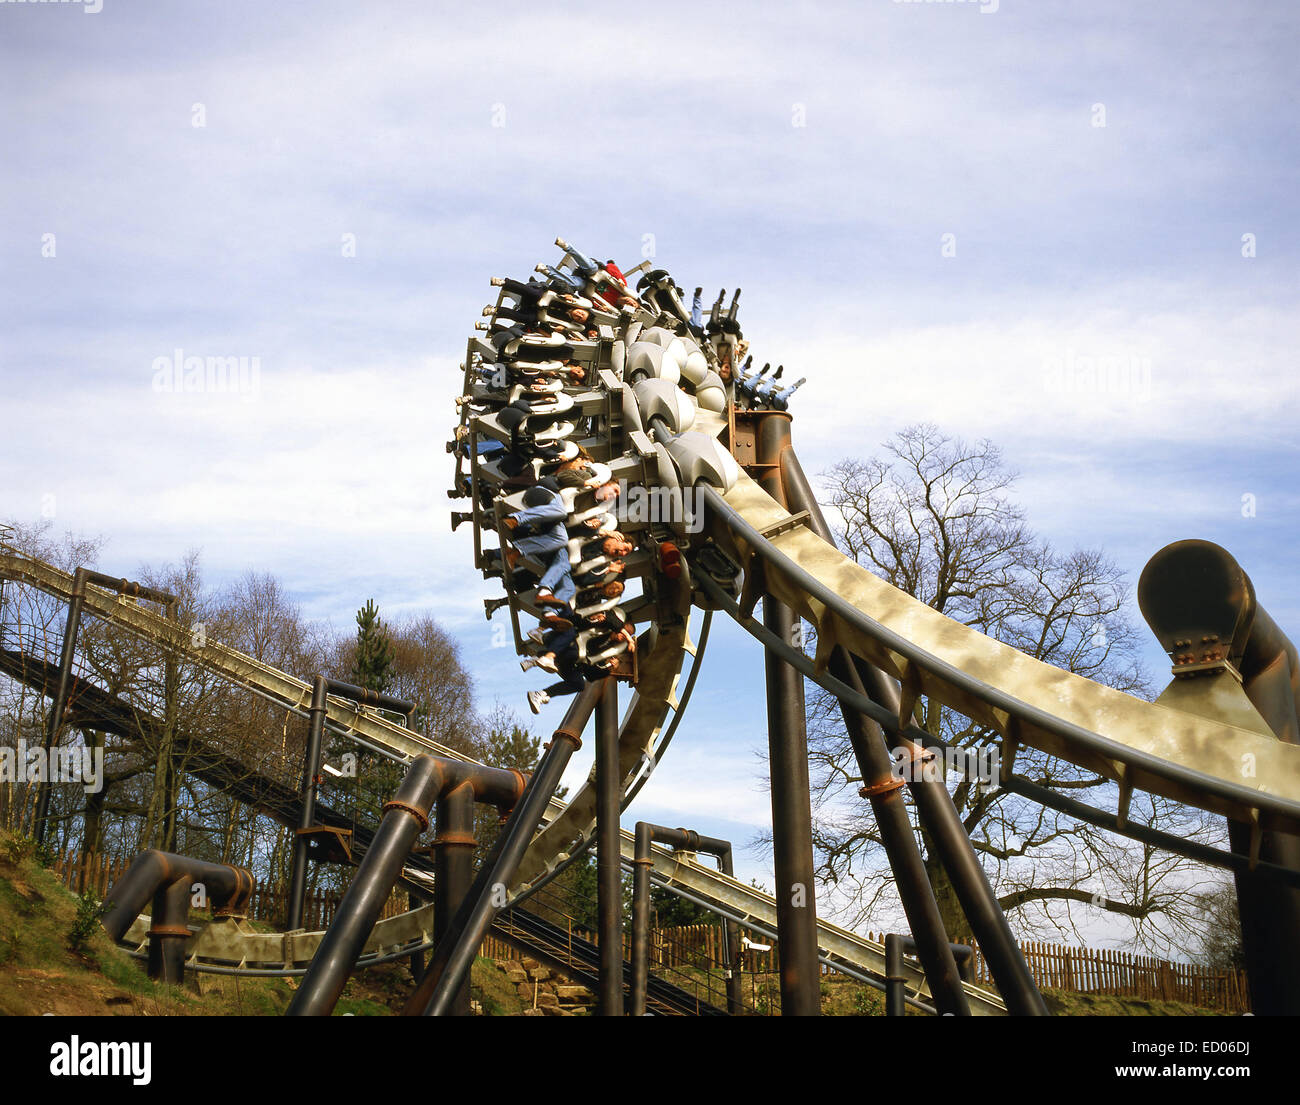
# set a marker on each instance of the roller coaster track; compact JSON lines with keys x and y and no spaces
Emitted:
{"x":566,"y":834}
{"x":1141,"y":745}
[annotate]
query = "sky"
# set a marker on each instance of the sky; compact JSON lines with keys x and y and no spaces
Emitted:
{"x":938,"y":212}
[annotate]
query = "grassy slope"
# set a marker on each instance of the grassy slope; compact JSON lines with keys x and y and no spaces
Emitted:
{"x":41,"y":973}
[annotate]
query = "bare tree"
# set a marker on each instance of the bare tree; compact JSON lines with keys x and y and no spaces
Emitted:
{"x":933,"y":516}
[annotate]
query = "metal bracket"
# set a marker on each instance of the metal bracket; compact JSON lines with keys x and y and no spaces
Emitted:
{"x":785,"y":525}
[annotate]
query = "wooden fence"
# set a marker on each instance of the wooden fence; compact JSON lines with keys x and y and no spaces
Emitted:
{"x":1100,"y":971}
{"x":1113,"y":972}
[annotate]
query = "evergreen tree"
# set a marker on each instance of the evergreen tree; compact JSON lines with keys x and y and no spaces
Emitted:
{"x":377,"y":777}
{"x":515,"y":747}
{"x":374,"y":655}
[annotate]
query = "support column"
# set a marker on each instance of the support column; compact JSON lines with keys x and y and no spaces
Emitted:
{"x":307,"y":799}
{"x":406,"y":816}
{"x":641,"y":866}
{"x":935,"y":808}
{"x":609,"y":869}
{"x":455,"y":953}
{"x":643,"y":862}
{"x":787,"y":742}
{"x":453,"y":870}
{"x":80,"y":579}
{"x":55,"y":722}
{"x":731,"y":946}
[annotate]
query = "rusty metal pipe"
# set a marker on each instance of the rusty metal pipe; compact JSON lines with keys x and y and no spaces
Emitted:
{"x":453,"y":869}
{"x":366,"y":697}
{"x":787,"y":736}
{"x":452,"y":958}
{"x":939,"y":815}
{"x":609,"y":867}
{"x":642,"y":863}
{"x":169,"y":880}
{"x":406,"y":816}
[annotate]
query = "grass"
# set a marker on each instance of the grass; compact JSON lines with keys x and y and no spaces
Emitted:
{"x":55,"y":958}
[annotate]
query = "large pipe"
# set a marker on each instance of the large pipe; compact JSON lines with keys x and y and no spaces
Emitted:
{"x":452,"y":958}
{"x":787,"y":737}
{"x":406,"y":816}
{"x":1270,"y":912}
{"x":453,"y":869}
{"x":939,"y":816}
{"x":366,"y":697}
{"x":307,"y":798}
{"x":170,"y":880}
{"x":642,"y":863}
{"x":896,"y":977}
{"x":54,"y":724}
{"x":884,"y":791}
{"x":1201,"y":605}
{"x":609,"y":868}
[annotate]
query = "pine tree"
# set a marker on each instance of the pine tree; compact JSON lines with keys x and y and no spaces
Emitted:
{"x":374,"y":656}
{"x":377,"y":777}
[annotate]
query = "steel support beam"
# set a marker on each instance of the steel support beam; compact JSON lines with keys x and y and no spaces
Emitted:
{"x":609,"y":869}
{"x":1201,"y":605}
{"x":307,"y":798}
{"x":453,"y":871}
{"x":454,"y":954}
{"x":406,"y":816}
{"x":642,"y":864}
{"x":787,"y":738}
{"x":939,"y":816}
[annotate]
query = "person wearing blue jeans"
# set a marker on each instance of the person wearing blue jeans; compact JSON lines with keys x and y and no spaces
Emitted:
{"x":557,"y":580}
{"x":543,"y":511}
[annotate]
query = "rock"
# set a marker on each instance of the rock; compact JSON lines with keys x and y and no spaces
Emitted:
{"x":572,"y":993}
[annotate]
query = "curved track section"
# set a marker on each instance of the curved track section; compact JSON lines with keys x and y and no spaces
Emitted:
{"x":1241,"y":772}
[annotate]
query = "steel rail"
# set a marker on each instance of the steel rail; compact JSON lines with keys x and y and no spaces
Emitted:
{"x":1067,"y":732}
